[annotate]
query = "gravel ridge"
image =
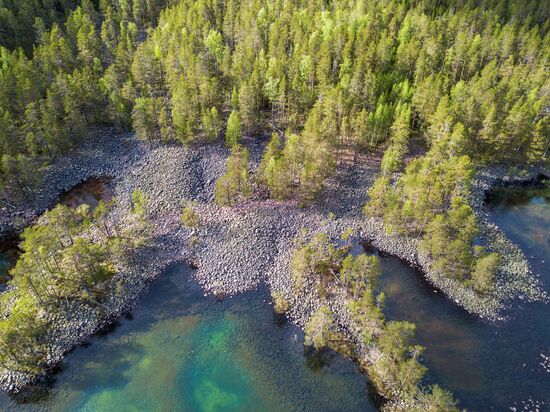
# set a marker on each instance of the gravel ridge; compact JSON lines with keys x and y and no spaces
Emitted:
{"x":236,"y":248}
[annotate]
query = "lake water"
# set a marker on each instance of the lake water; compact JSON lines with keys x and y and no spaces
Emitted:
{"x":8,"y":256}
{"x":186,"y":352}
{"x":487,"y":366}
{"x":89,"y":192}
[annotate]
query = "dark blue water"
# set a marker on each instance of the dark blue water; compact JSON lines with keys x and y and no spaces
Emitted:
{"x":488,"y":366}
{"x":8,"y":256}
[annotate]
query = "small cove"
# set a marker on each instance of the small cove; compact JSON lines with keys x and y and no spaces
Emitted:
{"x":8,"y":256}
{"x":89,"y":192}
{"x":186,"y":352}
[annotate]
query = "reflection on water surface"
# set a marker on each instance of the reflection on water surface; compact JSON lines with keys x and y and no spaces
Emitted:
{"x":487,"y":366}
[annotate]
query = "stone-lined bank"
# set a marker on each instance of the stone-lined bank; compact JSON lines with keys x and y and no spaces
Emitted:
{"x":236,"y":247}
{"x":103,"y":154}
{"x":515,"y":278}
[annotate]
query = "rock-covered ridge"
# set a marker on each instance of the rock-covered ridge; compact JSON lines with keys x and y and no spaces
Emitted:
{"x":236,"y":247}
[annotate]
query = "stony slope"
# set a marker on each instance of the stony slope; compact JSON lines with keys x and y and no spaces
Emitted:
{"x":237,"y":247}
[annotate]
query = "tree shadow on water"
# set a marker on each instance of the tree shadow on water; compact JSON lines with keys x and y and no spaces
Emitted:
{"x":317,"y":359}
{"x":280,"y":319}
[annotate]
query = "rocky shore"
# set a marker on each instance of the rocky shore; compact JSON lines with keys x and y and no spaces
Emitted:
{"x":515,"y":278}
{"x":103,"y":154}
{"x":234,"y":248}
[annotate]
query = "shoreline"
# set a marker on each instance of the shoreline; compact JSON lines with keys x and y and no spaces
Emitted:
{"x":237,"y":247}
{"x":515,"y":278}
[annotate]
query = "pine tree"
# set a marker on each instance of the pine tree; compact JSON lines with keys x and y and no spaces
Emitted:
{"x":265,"y":173}
{"x":320,"y":329}
{"x":234,"y":183}
{"x":145,"y":118}
{"x":233,"y":132}
{"x":211,"y":123}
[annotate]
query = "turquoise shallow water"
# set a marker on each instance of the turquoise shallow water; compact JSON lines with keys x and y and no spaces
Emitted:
{"x":186,"y":352}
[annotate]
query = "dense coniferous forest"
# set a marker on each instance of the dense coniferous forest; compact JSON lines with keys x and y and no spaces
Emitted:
{"x":78,"y":76}
{"x":435,"y":89}
{"x":18,"y":17}
{"x":457,"y":79}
